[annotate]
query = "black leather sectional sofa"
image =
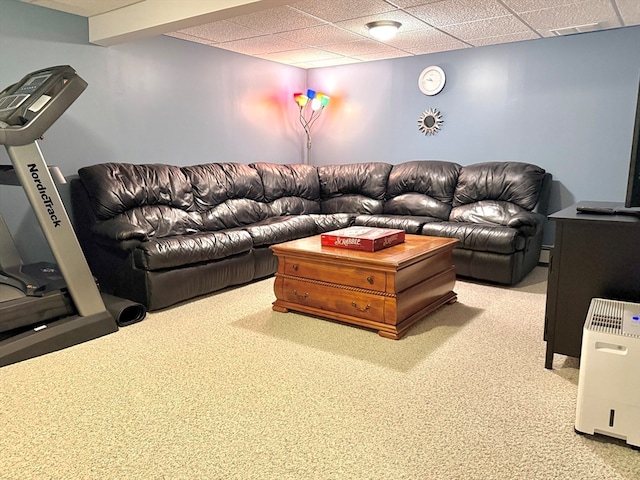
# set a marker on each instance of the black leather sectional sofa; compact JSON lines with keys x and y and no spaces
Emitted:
{"x":162,"y":234}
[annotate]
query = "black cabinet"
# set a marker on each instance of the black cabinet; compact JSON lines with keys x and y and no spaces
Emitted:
{"x":593,"y":256}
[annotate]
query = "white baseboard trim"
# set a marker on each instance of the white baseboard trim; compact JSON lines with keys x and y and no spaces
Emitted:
{"x":545,"y":253}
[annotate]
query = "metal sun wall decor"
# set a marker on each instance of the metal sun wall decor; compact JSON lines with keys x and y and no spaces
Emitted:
{"x":430,"y":121}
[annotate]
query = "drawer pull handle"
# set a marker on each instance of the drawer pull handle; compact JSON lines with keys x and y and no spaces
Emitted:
{"x":361,"y":309}
{"x":295,"y":266}
{"x":303,"y":296}
{"x":370,"y":280}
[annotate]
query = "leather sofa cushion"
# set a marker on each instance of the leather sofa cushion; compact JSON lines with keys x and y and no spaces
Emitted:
{"x":514,"y":182}
{"x":483,"y":238}
{"x":422,"y":187}
{"x":179,"y":250}
{"x":352,"y":203}
{"x":333,"y":221}
{"x":353,"y":188}
{"x":158,"y":221}
{"x":233,"y":213}
{"x":408,"y":223}
{"x":280,"y":229}
{"x":165,"y":200}
{"x":292,"y":206}
{"x":295,"y":180}
{"x":413,"y":203}
{"x":216,"y":183}
{"x":495,"y":212}
{"x":114,"y":188}
{"x":289,"y":189}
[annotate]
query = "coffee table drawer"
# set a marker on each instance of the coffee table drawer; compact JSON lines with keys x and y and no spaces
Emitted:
{"x":350,"y":276}
{"x":333,"y":299}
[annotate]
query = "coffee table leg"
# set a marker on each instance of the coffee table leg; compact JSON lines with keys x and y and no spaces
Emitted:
{"x":280,"y":309}
{"x":387,"y":334}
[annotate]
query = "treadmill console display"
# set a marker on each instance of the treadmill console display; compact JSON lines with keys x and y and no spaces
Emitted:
{"x":11,"y":102}
{"x":29,"y":107}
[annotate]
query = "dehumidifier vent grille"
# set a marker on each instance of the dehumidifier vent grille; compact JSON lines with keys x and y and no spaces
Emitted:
{"x":606,"y":316}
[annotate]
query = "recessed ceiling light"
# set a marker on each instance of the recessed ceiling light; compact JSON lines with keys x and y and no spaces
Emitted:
{"x":383,"y":29}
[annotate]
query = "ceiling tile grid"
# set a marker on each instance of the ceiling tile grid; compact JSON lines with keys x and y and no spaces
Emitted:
{"x":321,"y":35}
{"x":630,"y":11}
{"x":451,"y":12}
{"x":257,"y":45}
{"x":222,"y":31}
{"x":598,"y":13}
{"x":339,"y":10}
{"x":513,"y":37}
{"x":313,"y":33}
{"x":277,"y":20}
{"x":490,"y":27}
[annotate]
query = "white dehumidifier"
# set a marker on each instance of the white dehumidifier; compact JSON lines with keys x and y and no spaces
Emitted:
{"x":609,"y":379}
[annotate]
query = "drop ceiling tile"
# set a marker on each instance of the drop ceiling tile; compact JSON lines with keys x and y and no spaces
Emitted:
{"x":328,"y":63}
{"x":339,"y":10}
{"x":260,"y":45}
{"x":579,"y":13}
{"x":222,"y":31}
{"x":449,"y":12}
{"x":520,"y":6}
{"x":184,"y":36}
{"x":276,"y":20}
{"x":413,"y":3}
{"x":630,"y":11}
{"x":301,"y":55}
{"x":383,"y":56}
{"x":188,"y":38}
{"x":411,"y":40}
{"x":491,"y":27}
{"x":310,"y":33}
{"x":321,"y":35}
{"x":513,"y":37}
{"x":357,"y":48}
{"x":437,"y":47}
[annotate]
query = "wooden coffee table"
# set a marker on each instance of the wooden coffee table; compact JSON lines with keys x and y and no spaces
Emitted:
{"x":388,"y":290}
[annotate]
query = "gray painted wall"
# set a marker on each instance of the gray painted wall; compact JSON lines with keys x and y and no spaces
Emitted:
{"x":160,"y":100}
{"x":566,"y":104}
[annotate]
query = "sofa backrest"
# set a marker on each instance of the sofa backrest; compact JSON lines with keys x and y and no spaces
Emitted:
{"x":422,"y":187}
{"x":514,"y":182}
{"x":165,"y":199}
{"x":289,"y":189}
{"x":353,"y":188}
{"x":496,"y":192}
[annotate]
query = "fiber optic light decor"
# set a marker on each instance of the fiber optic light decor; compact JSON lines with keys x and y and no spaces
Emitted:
{"x":311,"y":106}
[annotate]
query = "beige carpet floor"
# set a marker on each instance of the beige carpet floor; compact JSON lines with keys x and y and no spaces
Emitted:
{"x":225,"y":388}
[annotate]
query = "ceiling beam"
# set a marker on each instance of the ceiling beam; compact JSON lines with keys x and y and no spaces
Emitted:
{"x":155,"y":17}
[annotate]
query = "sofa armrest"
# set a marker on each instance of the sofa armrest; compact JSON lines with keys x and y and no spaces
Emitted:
{"x":529,"y":223}
{"x":495,"y":212}
{"x":118,"y":231}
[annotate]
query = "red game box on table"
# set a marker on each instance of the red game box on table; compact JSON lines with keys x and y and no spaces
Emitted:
{"x":368,"y":239}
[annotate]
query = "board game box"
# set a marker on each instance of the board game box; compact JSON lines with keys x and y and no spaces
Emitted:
{"x":368,"y":239}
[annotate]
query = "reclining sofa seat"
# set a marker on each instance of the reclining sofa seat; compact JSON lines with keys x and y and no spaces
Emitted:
{"x":498,"y":213}
{"x":162,"y":234}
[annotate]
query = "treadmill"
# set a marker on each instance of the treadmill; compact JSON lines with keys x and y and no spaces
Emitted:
{"x":44,"y":307}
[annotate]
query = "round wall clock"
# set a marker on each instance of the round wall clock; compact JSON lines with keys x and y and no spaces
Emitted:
{"x":431,"y":80}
